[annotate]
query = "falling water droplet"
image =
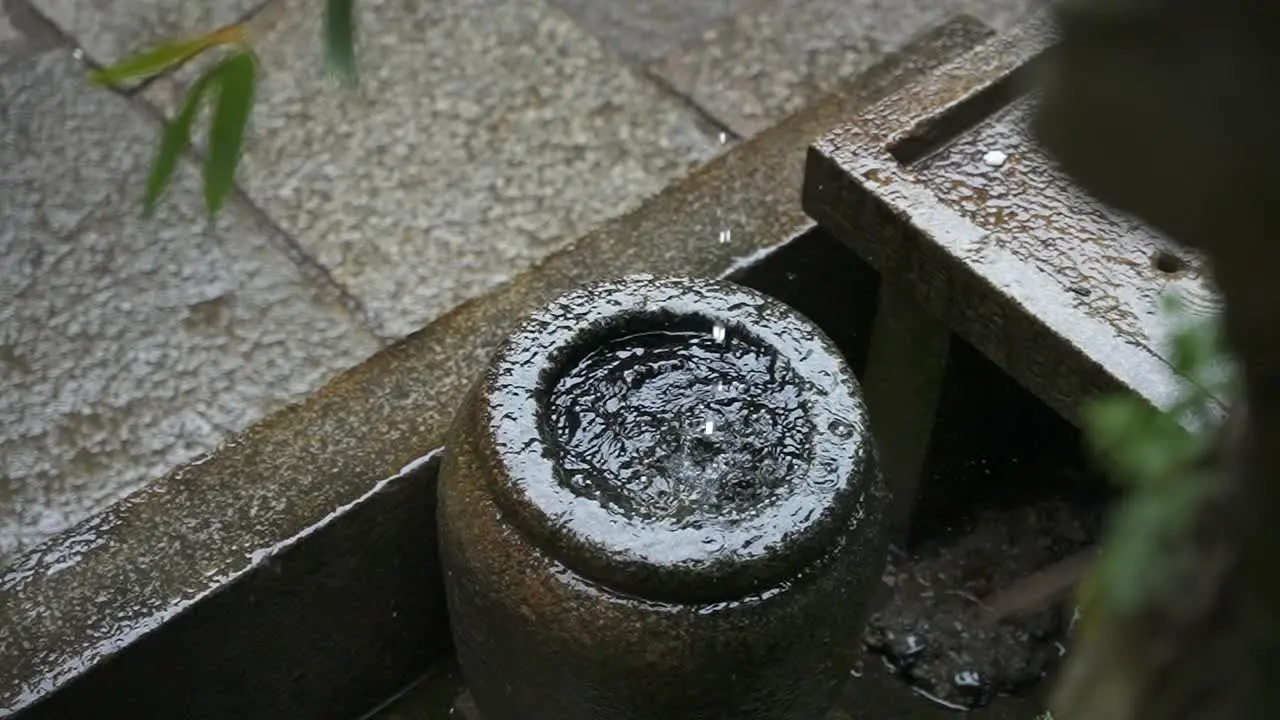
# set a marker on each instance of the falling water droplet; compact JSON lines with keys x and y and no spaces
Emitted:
{"x":841,"y":429}
{"x":913,"y":645}
{"x":995,"y":158}
{"x":726,"y":236}
{"x":826,"y":474}
{"x":722,"y":436}
{"x":724,"y":138}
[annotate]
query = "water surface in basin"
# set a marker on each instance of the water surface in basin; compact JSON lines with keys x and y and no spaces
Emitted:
{"x":675,"y":425}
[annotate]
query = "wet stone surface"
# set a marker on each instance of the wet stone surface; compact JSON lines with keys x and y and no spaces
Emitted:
{"x":673,"y":425}
{"x":110,"y":30}
{"x":23,"y":32}
{"x":645,"y":30}
{"x":772,"y":58}
{"x":680,"y":356}
{"x":999,"y":179}
{"x":934,"y":627}
{"x":992,"y":240}
{"x":443,"y":694}
{"x":484,"y":134}
{"x":130,"y":345}
{"x":581,"y":595}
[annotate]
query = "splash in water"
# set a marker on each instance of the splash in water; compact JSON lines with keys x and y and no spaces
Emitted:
{"x":680,"y":425}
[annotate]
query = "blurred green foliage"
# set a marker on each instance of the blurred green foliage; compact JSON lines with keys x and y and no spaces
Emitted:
{"x":1158,"y":457}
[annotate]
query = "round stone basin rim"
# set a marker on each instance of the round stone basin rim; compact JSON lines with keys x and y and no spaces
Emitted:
{"x":720,"y":560}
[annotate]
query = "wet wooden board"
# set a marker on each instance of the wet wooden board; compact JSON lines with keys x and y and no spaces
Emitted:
{"x":942,"y":189}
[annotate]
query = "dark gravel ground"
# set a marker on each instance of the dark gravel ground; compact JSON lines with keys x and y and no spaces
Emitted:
{"x":933,"y":625}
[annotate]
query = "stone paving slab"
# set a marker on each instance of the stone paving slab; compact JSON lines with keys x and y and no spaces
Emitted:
{"x":777,"y":56}
{"x":108,"y":30}
{"x":11,"y":40}
{"x":128,"y":346}
{"x":646,"y":30}
{"x":23,"y":32}
{"x":483,"y":135}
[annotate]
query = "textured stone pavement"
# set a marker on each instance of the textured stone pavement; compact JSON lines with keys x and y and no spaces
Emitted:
{"x":484,"y":134}
{"x":128,"y":345}
{"x":754,"y":68}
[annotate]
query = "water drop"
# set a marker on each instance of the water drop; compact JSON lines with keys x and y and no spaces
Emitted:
{"x":995,"y":158}
{"x":828,"y":473}
{"x":913,"y":645}
{"x":695,"y":426}
{"x":1075,"y":618}
{"x":841,"y":429}
{"x":937,"y":700}
{"x":726,"y":236}
{"x":724,"y":138}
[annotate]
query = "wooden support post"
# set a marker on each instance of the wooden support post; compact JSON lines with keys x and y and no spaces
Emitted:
{"x":907,"y":360}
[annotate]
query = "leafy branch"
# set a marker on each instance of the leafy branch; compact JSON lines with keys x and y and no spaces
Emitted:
{"x":1158,"y":456}
{"x":228,"y":85}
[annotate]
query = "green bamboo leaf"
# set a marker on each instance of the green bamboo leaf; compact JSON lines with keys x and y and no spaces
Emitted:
{"x":236,"y":77}
{"x":165,"y":57}
{"x":1145,"y":524}
{"x":1140,"y":445}
{"x":174,"y":141}
{"x":340,"y":38}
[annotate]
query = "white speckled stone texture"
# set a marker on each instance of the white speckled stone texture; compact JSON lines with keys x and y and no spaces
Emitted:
{"x":10,"y":38}
{"x":23,"y":32}
{"x":483,"y":135}
{"x":646,"y":30}
{"x":775,"y":57}
{"x":127,"y":345}
{"x":109,"y":30}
